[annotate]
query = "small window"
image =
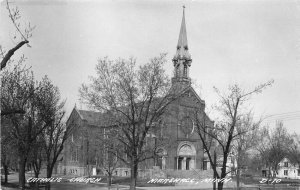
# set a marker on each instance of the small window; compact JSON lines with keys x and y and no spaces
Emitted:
{"x":177,"y":70}
{"x":162,"y":130}
{"x":104,"y":133}
{"x":286,"y":164}
{"x":204,"y":165}
{"x":298,"y":172}
{"x":74,"y":153}
{"x":185,"y":71}
{"x":285,"y":172}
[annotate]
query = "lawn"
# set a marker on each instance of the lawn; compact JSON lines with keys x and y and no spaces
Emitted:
{"x":126,"y":181}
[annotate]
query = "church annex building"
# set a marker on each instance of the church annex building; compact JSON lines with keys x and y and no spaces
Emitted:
{"x":182,"y":157}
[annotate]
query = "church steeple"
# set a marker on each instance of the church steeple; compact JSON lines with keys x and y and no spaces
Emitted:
{"x":182,"y":59}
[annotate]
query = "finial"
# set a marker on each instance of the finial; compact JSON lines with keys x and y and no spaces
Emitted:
{"x":183,"y":6}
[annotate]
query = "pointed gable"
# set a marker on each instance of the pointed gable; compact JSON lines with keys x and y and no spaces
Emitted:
{"x":92,"y":118}
{"x":189,"y":97}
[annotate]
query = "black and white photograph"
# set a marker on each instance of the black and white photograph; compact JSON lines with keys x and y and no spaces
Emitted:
{"x":150,"y":94}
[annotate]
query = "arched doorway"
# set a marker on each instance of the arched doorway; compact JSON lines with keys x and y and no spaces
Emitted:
{"x":186,"y":156}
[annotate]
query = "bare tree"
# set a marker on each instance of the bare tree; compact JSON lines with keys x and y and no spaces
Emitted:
{"x":21,"y":91}
{"x":246,"y":141}
{"x":224,"y":133}
{"x":16,"y":80}
{"x":134,"y":98}
{"x":56,"y":133}
{"x":100,"y":150}
{"x":274,"y":146}
{"x":109,"y":158}
{"x":294,"y":150}
{"x":37,"y":157}
{"x":8,"y":147}
{"x":17,"y":91}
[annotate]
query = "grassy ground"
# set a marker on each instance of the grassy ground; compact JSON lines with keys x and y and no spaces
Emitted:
{"x":9,"y":185}
{"x":65,"y":184}
{"x":126,"y":181}
{"x":286,"y":184}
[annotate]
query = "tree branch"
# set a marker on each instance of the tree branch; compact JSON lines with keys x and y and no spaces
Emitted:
{"x":11,"y":53}
{"x":3,"y":113}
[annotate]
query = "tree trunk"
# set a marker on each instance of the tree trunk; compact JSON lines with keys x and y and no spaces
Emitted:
{"x":220,"y":185}
{"x":5,"y":167}
{"x":134,"y":170}
{"x":109,"y":179}
{"x":36,"y":175}
{"x":49,"y":174}
{"x":22,"y":164}
{"x":238,"y":178}
{"x":223,"y":176}
{"x":223,"y":171}
{"x":269,"y":173}
{"x":215,"y":175}
{"x":238,"y":172}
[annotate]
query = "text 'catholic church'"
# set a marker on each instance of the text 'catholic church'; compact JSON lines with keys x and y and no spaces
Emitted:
{"x":183,"y":156}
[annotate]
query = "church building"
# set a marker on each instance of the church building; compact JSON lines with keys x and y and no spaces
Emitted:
{"x":182,"y":154}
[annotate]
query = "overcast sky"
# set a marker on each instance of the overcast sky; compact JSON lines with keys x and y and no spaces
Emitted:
{"x":245,"y":42}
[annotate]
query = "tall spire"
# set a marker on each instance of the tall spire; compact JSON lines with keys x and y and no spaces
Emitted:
{"x":182,"y":59}
{"x":182,"y":45}
{"x":182,"y":41}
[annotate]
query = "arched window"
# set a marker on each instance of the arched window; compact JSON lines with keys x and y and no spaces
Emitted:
{"x":177,"y":70}
{"x":186,"y":150}
{"x":187,"y":126}
{"x":161,"y":128}
{"x":74,"y":153}
{"x":185,"y":71}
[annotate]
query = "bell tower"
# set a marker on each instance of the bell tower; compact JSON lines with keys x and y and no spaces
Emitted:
{"x":182,"y":59}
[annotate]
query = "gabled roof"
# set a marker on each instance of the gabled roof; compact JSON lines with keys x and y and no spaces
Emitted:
{"x":104,"y":119}
{"x":290,"y":160}
{"x":92,"y":117}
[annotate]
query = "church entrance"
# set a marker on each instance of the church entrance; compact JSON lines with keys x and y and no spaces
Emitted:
{"x":186,"y":157}
{"x":180,"y":159}
{"x":188,"y":160}
{"x":184,"y":163}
